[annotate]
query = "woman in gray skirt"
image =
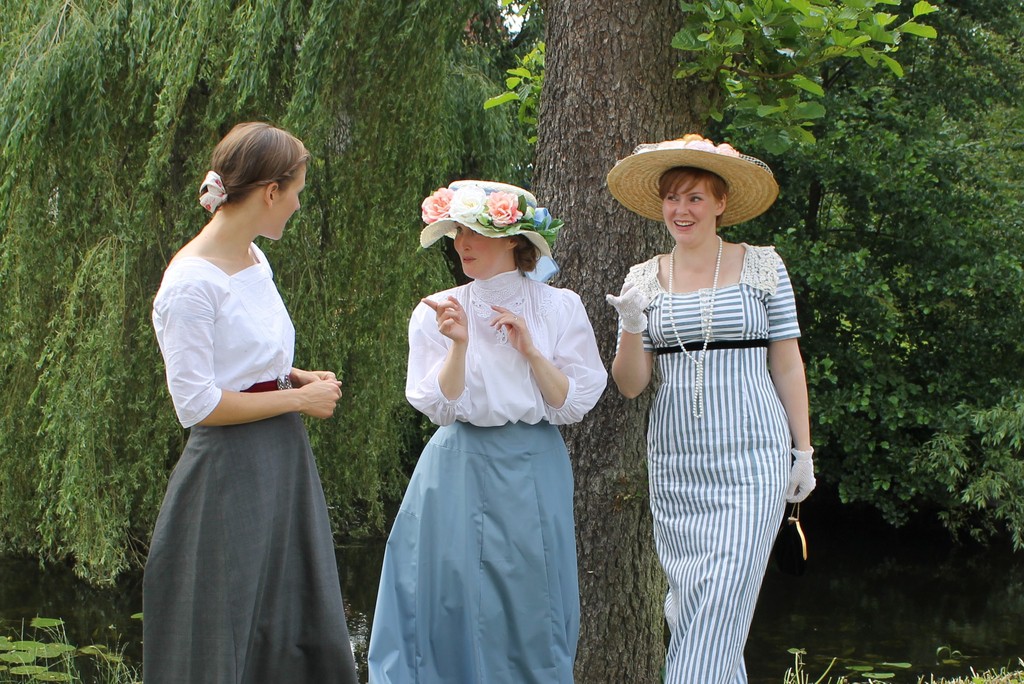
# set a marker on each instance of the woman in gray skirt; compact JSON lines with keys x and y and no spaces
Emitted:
{"x":479,"y":582}
{"x":241,"y":584}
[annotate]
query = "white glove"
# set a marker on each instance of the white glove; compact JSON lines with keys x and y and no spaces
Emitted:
{"x":801,"y":476}
{"x":631,"y":303}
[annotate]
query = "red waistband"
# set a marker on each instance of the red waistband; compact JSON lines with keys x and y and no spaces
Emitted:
{"x":271,"y":385}
{"x":267,"y":386}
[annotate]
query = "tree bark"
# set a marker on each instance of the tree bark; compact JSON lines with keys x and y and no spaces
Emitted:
{"x":609,"y":86}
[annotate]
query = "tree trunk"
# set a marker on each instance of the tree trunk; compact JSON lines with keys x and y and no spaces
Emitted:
{"x":608,"y":87}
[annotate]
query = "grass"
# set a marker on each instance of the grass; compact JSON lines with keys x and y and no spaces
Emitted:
{"x":48,"y":657}
{"x":43,"y":654}
{"x":882,"y":673}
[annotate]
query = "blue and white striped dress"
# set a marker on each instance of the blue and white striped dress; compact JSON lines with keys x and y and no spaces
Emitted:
{"x":717,"y":482}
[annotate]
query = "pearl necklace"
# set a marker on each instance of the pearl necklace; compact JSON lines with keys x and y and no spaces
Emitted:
{"x":705,"y":324}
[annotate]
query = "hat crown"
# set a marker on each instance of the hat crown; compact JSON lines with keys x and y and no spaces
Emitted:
{"x":491,"y":187}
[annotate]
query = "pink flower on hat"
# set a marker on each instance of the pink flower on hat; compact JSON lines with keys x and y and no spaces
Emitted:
{"x":728,"y":150}
{"x":503,"y":208}
{"x":435,"y":207}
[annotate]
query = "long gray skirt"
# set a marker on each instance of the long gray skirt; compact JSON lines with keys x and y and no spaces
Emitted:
{"x":479,"y":584}
{"x":241,"y":584}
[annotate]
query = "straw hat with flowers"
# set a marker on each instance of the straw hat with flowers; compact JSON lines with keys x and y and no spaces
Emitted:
{"x":751,"y":186}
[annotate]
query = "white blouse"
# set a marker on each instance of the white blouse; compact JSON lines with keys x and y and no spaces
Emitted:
{"x":500,"y":387}
{"x":219,"y":332}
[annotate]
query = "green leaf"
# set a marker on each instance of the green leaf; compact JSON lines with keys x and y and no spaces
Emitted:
{"x":767,"y":110}
{"x":809,"y":110}
{"x":28,"y":669}
{"x":833,"y":51}
{"x":520,"y":71}
{"x":884,"y":18}
{"x":923,"y":7}
{"x":776,"y":143}
{"x":500,"y":100}
{"x":735,"y":39}
{"x":893,"y":65}
{"x":814,"y":22}
{"x":916,"y":29}
{"x":801,"y":6}
{"x":804,"y":83}
{"x":18,"y":657}
{"x":688,"y":69}
{"x":687,"y":40}
{"x":46,"y":623}
{"x":801,"y":135}
{"x":52,"y":677}
{"x":511,"y":83}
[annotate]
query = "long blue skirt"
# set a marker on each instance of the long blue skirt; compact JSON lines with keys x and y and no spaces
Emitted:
{"x":479,"y":583}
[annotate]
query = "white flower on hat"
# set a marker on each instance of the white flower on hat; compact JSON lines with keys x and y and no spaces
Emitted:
{"x":467,"y":204}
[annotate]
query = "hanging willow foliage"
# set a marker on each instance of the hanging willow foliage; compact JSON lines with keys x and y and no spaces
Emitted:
{"x":108,"y":113}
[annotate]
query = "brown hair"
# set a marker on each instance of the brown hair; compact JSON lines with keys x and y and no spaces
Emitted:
{"x":256,"y":154}
{"x":686,"y":177}
{"x":525,"y":253}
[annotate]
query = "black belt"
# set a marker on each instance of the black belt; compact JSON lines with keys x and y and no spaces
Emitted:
{"x":715,"y":344}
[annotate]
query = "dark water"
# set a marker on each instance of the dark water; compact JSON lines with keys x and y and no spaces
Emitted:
{"x":870,"y":595}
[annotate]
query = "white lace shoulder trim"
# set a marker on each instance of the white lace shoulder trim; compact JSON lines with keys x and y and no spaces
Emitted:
{"x":645,"y":277}
{"x":761,"y":268}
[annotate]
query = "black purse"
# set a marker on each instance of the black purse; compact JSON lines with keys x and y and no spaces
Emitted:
{"x":790,"y":550}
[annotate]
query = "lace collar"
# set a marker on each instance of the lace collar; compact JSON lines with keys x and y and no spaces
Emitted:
{"x":500,"y":288}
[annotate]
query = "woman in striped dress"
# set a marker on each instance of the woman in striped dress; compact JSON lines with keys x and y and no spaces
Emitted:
{"x":729,"y":435}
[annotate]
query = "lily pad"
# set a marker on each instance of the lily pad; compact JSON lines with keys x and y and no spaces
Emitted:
{"x":28,"y":669}
{"x":46,"y":623}
{"x":53,"y":650}
{"x":52,"y":677}
{"x":18,"y":657}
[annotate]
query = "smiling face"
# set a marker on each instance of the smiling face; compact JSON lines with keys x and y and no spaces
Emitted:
{"x":691,"y":204}
{"x":484,"y":257}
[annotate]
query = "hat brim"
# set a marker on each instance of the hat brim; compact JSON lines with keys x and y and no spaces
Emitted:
{"x":449,"y":228}
{"x":751,"y":188}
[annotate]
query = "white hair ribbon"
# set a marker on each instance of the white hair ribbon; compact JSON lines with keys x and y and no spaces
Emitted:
{"x":212,"y":193}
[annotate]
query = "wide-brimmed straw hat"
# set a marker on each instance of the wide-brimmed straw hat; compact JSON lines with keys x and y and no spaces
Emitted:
{"x":493,"y":209}
{"x":751,"y":186}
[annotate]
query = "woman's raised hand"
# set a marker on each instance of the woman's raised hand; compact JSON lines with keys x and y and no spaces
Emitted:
{"x":451,"y":319}
{"x":631,"y":304}
{"x":516,"y":328}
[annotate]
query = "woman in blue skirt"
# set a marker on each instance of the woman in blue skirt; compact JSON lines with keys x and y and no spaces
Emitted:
{"x":729,"y":435}
{"x":479,"y":582}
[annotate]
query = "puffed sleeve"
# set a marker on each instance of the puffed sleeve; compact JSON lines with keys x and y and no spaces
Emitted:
{"x":183,"y":317}
{"x":577,"y":356}
{"x":428,"y":349}
{"x":781,"y":305}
